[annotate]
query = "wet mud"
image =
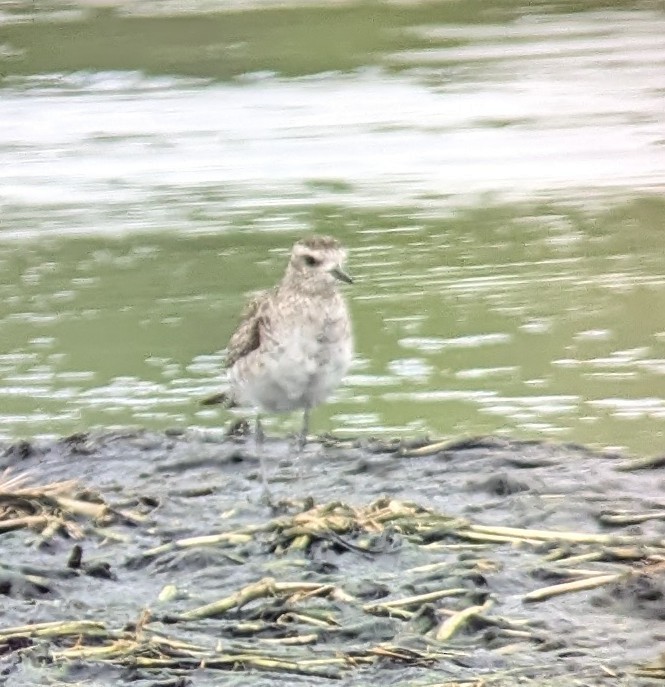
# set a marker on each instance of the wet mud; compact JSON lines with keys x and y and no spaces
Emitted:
{"x":479,"y":561}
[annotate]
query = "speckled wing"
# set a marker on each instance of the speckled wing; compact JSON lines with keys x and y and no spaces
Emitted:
{"x":247,"y":337}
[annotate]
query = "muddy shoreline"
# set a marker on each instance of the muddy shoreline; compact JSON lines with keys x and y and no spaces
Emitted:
{"x":387,"y":562}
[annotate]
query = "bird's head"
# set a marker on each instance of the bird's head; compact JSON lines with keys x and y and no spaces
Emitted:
{"x":317,"y":262}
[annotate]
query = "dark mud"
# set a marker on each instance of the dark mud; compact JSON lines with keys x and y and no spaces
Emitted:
{"x":322,"y":578}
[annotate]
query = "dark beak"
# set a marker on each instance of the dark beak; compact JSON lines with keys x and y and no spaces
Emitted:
{"x":341,"y":275}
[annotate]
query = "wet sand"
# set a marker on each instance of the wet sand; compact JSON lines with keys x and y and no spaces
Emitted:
{"x":384,"y":562}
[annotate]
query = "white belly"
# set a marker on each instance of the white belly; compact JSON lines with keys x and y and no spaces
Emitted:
{"x":298,"y":371}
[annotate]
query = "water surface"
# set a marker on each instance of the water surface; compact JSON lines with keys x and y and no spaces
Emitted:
{"x":497,"y":174}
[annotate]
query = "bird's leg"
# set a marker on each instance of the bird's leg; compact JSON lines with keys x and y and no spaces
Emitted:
{"x":300,"y":443}
{"x":259,"y":435}
{"x":259,"y":438}
{"x":302,"y":439}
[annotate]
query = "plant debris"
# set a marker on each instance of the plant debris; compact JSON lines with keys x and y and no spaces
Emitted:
{"x":174,"y":580}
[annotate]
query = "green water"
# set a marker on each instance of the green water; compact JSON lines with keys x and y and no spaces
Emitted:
{"x":495,"y":170}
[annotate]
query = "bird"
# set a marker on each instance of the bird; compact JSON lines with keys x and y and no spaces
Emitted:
{"x":294,"y":342}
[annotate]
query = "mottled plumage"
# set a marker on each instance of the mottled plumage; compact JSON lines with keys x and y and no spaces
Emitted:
{"x":293,"y":344}
{"x":247,"y":336}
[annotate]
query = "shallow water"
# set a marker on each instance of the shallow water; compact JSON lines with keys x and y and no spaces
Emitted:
{"x":497,"y":174}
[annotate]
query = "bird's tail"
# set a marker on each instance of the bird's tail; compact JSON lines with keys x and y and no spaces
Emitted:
{"x":223,"y":399}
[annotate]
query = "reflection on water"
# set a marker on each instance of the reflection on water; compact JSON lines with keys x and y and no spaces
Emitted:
{"x":496,"y":180}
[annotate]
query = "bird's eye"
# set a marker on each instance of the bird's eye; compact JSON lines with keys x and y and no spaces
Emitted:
{"x":311,"y":261}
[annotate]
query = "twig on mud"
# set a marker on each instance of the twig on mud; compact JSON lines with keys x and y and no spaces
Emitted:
{"x":453,"y":624}
{"x":655,"y":673}
{"x":561,"y":554}
{"x":309,"y":619}
{"x":156,"y":653}
{"x":127,"y":652}
{"x":517,"y":533}
{"x":14,"y":486}
{"x":389,"y":607}
{"x":622,"y":518}
{"x":51,"y":508}
{"x":654,"y":670}
{"x":428,"y":450}
{"x":576,"y":586}
{"x":225,"y":538}
{"x":608,"y":554}
{"x":27,"y":521}
{"x":646,"y":463}
{"x":56,"y":629}
{"x":488,"y":537}
{"x":266,"y":587}
{"x":298,"y":640}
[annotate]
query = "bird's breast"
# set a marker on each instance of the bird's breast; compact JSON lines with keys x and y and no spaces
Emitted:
{"x":300,"y":362}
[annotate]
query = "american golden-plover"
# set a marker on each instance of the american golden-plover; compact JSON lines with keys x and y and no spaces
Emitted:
{"x":294,"y":343}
